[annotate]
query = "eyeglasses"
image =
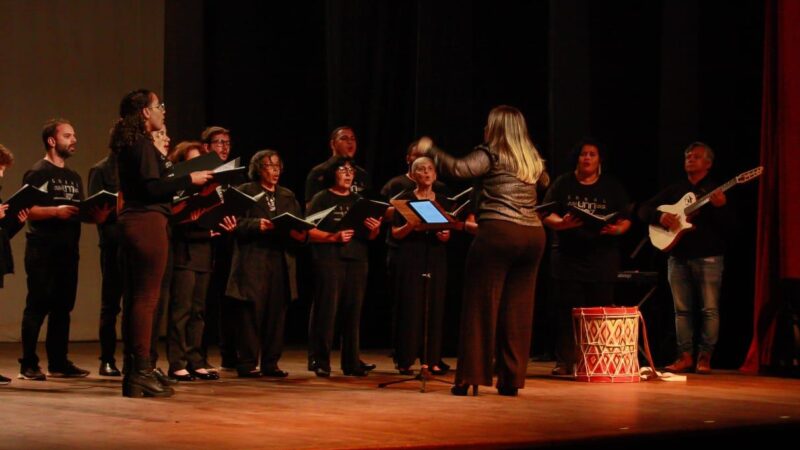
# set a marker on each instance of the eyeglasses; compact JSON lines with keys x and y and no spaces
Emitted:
{"x":220,"y":142}
{"x":275,"y":167}
{"x":348,"y":170}
{"x":160,"y":106}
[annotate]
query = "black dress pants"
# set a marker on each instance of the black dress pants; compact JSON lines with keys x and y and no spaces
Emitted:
{"x":52,"y":270}
{"x":339,"y":286}
{"x":110,"y":300}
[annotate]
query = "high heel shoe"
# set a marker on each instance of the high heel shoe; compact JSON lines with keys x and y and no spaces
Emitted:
{"x":508,"y":391}
{"x":461,"y":389}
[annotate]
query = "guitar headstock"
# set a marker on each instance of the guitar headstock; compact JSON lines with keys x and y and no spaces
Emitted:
{"x":749,"y":175}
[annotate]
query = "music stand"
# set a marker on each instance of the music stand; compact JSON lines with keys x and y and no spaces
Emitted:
{"x":424,"y":215}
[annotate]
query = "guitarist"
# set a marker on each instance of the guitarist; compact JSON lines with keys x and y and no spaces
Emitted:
{"x":696,"y":262}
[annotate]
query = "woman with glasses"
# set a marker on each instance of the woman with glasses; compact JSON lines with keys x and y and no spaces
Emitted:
{"x":420,"y":278}
{"x":503,"y":259}
{"x":339,"y":260}
{"x":262,"y":280}
{"x":146,"y":193}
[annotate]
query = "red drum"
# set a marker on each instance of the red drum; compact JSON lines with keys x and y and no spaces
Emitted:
{"x":606,"y":339}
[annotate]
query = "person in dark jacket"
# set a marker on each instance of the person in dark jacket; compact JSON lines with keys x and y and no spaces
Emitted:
{"x":503,"y":259}
{"x":103,"y":177}
{"x":6,"y":258}
{"x":262,"y":280}
{"x":191,"y":271}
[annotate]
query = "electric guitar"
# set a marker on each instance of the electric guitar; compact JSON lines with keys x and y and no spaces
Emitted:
{"x":666,"y":238}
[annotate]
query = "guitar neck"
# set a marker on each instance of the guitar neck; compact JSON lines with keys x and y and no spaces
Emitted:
{"x":707,"y":198}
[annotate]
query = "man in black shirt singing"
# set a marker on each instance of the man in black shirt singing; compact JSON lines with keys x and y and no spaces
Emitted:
{"x":343,"y":144}
{"x":696,"y":261}
{"x":51,"y":254}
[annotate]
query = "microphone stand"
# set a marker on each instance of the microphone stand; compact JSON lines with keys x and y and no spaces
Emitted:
{"x":424,"y":375}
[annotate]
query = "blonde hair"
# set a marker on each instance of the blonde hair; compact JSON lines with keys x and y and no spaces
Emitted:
{"x":507,"y":133}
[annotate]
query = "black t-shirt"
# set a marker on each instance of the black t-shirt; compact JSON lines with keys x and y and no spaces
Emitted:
{"x":144,"y":179}
{"x":65,"y":187}
{"x":356,"y":248}
{"x":582,"y":253}
{"x":315,"y":182}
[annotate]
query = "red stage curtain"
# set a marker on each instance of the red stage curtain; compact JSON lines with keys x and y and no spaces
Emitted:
{"x":778,"y":240}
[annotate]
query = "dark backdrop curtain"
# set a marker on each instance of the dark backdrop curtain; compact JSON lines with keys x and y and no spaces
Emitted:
{"x":778,"y":242}
{"x":646,"y":78}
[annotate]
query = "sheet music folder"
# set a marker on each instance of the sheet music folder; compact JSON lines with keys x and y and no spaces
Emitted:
{"x":589,"y":219}
{"x":355,"y":217}
{"x":100,"y":200}
{"x":24,"y":198}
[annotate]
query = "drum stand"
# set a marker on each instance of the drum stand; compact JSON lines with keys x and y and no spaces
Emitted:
{"x":424,"y":375}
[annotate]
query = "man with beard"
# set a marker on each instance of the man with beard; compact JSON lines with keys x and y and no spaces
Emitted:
{"x":51,"y":255}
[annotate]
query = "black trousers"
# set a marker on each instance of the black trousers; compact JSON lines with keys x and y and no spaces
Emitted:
{"x":52,"y":270}
{"x":110,"y":300}
{"x":497,"y":312}
{"x":413,"y":289}
{"x":576,"y":294}
{"x":187,"y":308}
{"x":339,"y":286}
{"x":221,"y":315}
{"x":261,"y":321}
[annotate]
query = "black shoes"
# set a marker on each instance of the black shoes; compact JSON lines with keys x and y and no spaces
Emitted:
{"x":461,"y":390}
{"x":163,"y":378}
{"x":405,"y":371}
{"x":109,"y":369}
{"x":143,"y":383}
{"x":508,"y":391}
{"x":31,"y":373}
{"x":319,"y":370}
{"x":356,"y":372}
{"x":180,"y":377}
{"x":252,"y":373}
{"x":366,"y":367}
{"x":275,"y":373}
{"x":205,"y":375}
{"x":68,"y":370}
{"x":4,"y":380}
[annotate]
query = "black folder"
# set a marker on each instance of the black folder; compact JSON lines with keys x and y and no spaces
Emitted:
{"x":24,"y":198}
{"x":183,"y":207}
{"x":589,"y":219}
{"x":234,"y":203}
{"x":355,"y":217}
{"x":100,"y":200}
{"x":287,"y":221}
{"x":209,"y":161}
{"x":230,"y":174}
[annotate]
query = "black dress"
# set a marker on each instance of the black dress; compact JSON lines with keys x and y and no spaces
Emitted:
{"x":420,"y":252}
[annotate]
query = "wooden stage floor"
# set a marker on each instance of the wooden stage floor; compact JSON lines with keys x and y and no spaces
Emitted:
{"x":303,"y":411}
